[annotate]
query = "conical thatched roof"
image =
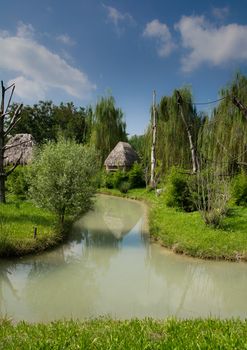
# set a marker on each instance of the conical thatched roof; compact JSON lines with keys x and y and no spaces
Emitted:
{"x":19,"y":147}
{"x":122,"y":156}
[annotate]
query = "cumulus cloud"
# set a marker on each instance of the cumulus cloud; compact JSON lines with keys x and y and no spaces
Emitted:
{"x":161,"y":33}
{"x":207,"y":43}
{"x":118,"y":18}
{"x":38,"y":69}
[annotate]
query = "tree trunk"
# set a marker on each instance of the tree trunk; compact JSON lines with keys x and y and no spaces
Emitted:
{"x":153,"y":148}
{"x":2,"y":172}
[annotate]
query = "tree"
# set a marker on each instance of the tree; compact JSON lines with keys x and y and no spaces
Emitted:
{"x":45,"y":121}
{"x":108,"y":127}
{"x":64,"y":178}
{"x":5,"y":129}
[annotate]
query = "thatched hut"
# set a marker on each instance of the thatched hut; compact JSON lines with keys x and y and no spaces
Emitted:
{"x":19,"y":148}
{"x":121,"y":157}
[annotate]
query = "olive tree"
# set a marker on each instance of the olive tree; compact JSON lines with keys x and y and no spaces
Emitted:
{"x":63,"y":178}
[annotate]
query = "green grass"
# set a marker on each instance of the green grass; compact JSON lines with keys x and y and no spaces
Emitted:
{"x":17,"y":222}
{"x":134,"y":334}
{"x":186,"y":233}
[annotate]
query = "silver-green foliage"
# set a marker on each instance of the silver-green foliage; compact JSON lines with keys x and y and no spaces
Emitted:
{"x":64,"y":178}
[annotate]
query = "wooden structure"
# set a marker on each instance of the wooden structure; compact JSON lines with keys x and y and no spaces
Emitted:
{"x":121,"y":157}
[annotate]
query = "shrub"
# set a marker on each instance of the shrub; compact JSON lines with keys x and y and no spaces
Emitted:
{"x":136,"y":176}
{"x":124,"y":186}
{"x":239,"y":189}
{"x":211,"y":196}
{"x":177,"y":193}
{"x":118,"y":177}
{"x":18,"y":181}
{"x":64,"y":178}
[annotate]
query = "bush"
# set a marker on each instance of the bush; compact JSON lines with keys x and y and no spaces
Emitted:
{"x":118,"y":177}
{"x":64,"y":178}
{"x":136,"y":176}
{"x":18,"y":182}
{"x":124,"y":186}
{"x":239,"y":189}
{"x":211,"y":196}
{"x":177,"y":193}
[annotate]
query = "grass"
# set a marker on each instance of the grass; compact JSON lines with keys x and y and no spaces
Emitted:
{"x":133,"y":334}
{"x":186,"y":233}
{"x":17,"y":221}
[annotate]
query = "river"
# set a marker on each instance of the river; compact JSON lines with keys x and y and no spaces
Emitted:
{"x":108,"y":267}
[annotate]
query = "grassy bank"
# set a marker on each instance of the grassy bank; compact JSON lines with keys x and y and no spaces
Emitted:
{"x":186,"y":233}
{"x":17,"y":222}
{"x":133,"y":334}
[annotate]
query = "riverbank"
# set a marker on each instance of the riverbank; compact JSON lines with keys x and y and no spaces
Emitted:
{"x":186,"y":233}
{"x":18,"y":220}
{"x":133,"y":334}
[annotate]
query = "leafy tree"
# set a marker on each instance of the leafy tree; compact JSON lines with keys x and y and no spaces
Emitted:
{"x":64,"y":178}
{"x":45,"y":121}
{"x":108,"y":127}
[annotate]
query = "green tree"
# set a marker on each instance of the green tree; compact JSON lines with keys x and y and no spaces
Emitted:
{"x":108,"y":126}
{"x":64,"y":178}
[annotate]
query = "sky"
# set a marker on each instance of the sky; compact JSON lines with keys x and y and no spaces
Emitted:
{"x":80,"y":50}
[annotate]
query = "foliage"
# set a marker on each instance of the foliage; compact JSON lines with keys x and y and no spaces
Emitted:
{"x":239,"y":189}
{"x":223,"y":137}
{"x":63,"y":178}
{"x":45,"y":121}
{"x":136,"y":176}
{"x":124,"y":186}
{"x":105,"y":333}
{"x":18,"y":181}
{"x":212,"y":196}
{"x":177,"y":190}
{"x":108,"y":127}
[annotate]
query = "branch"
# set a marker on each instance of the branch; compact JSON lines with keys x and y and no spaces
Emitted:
{"x":11,"y":95}
{"x":6,"y":147}
{"x":240,"y":106}
{"x":14,"y":120}
{"x":13,"y":168}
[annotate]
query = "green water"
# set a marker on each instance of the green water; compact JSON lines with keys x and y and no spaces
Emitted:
{"x":108,"y":267}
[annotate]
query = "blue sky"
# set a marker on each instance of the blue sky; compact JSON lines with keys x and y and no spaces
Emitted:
{"x":79,"y":50}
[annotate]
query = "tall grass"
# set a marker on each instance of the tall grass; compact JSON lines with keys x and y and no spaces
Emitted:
{"x":134,"y":334}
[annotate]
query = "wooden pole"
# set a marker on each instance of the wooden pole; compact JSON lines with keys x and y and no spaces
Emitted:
{"x":153,"y":147}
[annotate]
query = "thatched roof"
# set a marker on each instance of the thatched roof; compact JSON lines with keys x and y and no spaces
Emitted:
{"x":19,"y":147}
{"x":123,"y":155}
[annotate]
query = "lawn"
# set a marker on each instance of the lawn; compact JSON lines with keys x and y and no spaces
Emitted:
{"x":17,"y":222}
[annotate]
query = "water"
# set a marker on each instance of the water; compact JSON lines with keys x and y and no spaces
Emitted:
{"x":109,"y":268}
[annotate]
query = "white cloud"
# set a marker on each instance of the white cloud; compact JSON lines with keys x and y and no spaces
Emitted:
{"x":38,"y":69}
{"x":118,"y":18}
{"x":25,"y":30}
{"x":65,"y":39}
{"x":160,"y":31}
{"x":207,"y":43}
{"x":28,"y":89}
{"x":220,"y":12}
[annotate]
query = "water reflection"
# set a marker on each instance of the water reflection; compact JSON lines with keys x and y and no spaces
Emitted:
{"x":111,"y":269}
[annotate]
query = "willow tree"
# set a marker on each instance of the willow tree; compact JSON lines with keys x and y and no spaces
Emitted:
{"x":224,"y":136}
{"x":173,"y":146}
{"x":108,"y":126}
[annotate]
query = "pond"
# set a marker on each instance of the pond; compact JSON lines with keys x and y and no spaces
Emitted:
{"x":108,"y":267}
